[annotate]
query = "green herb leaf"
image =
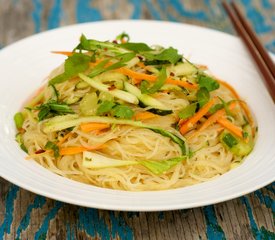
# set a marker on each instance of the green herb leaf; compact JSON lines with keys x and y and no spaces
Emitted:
{"x":136,"y":47}
{"x":159,"y":167}
{"x":188,"y":111}
{"x":123,"y":35}
{"x":84,"y":42}
{"x":123,"y":111}
{"x":203,"y":96}
{"x":157,"y":85}
{"x":208,"y":82}
{"x":169,"y":54}
{"x":51,"y":146}
{"x":229,"y":140}
{"x":19,"y":120}
{"x":74,"y":64}
{"x":105,"y":107}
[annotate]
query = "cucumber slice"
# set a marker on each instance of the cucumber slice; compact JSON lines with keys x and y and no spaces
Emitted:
{"x":145,"y":98}
{"x":88,"y":104}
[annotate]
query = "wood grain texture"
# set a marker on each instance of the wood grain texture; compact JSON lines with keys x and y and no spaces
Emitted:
{"x":24,"y":215}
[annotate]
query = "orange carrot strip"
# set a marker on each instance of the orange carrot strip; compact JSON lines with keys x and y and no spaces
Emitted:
{"x":87,"y":127}
{"x":243,"y":104}
{"x":144,"y":115}
{"x":62,"y":140}
{"x":194,"y":119}
{"x":75,"y":150}
{"x":231,"y":127}
{"x":152,"y":78}
{"x":63,"y":53}
{"x":212,"y":119}
{"x":141,"y":64}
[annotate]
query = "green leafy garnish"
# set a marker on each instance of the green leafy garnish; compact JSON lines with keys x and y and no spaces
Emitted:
{"x":19,"y":120}
{"x":188,"y":111}
{"x":208,"y":82}
{"x":123,"y":111}
{"x":136,"y":47}
{"x":51,"y":146}
{"x":157,"y":85}
{"x":159,"y":167}
{"x":100,"y":68}
{"x":167,"y":55}
{"x":122,"y":36}
{"x":52,"y":108}
{"x":74,"y":64}
{"x":105,"y":107}
{"x":203,"y":96}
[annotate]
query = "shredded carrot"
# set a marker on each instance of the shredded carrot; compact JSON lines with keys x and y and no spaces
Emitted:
{"x":212,"y":119}
{"x":231,"y":127}
{"x":152,"y":78}
{"x":87,"y":127}
{"x":141,"y":64}
{"x":62,"y":140}
{"x":194,"y":119}
{"x":63,"y":53}
{"x":75,"y":150}
{"x":144,"y":115}
{"x":243,"y":104}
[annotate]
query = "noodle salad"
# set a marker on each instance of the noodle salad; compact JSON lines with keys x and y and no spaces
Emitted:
{"x":125,"y":115}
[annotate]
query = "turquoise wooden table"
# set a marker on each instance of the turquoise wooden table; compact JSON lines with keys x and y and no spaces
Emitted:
{"x":25,"y":215}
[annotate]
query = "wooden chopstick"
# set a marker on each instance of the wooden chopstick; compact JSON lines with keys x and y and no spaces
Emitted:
{"x":265,"y":66}
{"x":255,"y":40}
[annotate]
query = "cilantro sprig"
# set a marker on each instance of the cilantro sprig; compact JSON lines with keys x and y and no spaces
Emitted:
{"x":116,"y":110}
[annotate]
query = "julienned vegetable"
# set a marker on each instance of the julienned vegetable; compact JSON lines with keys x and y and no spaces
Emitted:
{"x":97,"y":161}
{"x":60,"y":123}
{"x":129,"y":116}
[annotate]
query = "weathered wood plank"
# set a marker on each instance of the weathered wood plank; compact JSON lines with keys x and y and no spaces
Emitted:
{"x":24,"y":215}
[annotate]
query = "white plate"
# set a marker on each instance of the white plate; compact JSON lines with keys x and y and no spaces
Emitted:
{"x":25,"y":64}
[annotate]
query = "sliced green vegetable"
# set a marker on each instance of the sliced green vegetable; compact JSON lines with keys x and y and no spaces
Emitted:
{"x":74,"y":64}
{"x":57,"y":124}
{"x":51,"y":146}
{"x":82,"y":85}
{"x":229,"y":140}
{"x":19,"y":139}
{"x":88,"y":104}
{"x":19,"y":120}
{"x":144,"y":98}
{"x":237,"y":146}
{"x":215,"y":108}
{"x":96,"y":161}
{"x":125,"y":96}
{"x":159,"y":167}
{"x":183,"y":69}
{"x":188,"y":111}
{"x":208,"y":82}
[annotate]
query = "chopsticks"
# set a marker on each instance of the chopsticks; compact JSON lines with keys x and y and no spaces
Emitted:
{"x":254,"y":46}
